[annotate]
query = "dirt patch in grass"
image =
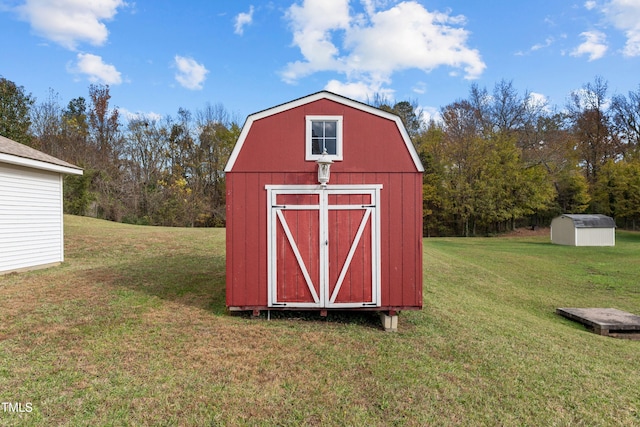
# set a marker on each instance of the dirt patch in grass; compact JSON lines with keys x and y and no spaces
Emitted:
{"x":528,"y":232}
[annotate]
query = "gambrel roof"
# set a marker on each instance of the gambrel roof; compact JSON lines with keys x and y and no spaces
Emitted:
{"x":316,"y":97}
{"x":591,"y":221}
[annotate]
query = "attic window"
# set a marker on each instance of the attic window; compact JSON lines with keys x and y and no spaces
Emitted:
{"x":323,"y":133}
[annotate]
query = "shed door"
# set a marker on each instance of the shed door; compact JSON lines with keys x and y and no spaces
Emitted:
{"x":324,"y":246}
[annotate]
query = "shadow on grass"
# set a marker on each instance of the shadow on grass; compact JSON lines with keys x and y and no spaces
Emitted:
{"x":198,"y":281}
{"x":369,"y":319}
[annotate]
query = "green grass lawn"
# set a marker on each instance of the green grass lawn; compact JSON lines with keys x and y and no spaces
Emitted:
{"x":132,"y":330}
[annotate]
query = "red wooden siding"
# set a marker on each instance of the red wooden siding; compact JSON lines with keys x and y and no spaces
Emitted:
{"x":271,"y":151}
{"x":356,"y":285}
{"x":303,"y":225}
{"x":401,"y":231}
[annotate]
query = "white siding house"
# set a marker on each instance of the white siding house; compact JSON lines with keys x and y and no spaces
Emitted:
{"x":31,"y":220}
{"x":583,"y":230}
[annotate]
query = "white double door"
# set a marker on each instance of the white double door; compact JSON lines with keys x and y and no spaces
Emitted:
{"x":323,"y":246}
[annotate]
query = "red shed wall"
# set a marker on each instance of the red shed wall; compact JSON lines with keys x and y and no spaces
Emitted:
{"x":373,"y":152}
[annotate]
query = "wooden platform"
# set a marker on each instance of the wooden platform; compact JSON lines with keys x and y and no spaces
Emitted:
{"x":605,"y":321}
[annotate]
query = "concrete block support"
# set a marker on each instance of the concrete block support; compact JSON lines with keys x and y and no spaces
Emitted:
{"x":389,"y":322}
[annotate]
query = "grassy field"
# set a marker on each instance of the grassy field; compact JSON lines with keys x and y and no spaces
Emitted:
{"x":132,"y":330}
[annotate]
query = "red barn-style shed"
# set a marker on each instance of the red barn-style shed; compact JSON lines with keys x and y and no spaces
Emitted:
{"x":353,"y":243}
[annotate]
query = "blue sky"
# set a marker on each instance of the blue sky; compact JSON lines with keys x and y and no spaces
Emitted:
{"x":161,"y":55}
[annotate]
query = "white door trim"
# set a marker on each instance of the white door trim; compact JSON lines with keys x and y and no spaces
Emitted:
{"x":322,"y":299}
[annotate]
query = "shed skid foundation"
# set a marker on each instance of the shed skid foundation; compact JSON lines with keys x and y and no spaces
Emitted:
{"x":388,"y":316}
{"x":391,"y":311}
{"x":389,"y":322}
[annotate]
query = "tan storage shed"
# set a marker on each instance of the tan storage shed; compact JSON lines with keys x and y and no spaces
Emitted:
{"x":583,"y":230}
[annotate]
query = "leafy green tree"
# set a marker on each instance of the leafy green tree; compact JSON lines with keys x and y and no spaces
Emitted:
{"x":77,"y":193}
{"x":572,"y":192}
{"x":15,"y":106}
{"x":75,"y":133}
{"x":617,"y":190}
{"x":408,"y":112}
{"x":629,"y":206}
{"x":498,"y":183}
{"x":462,"y":151}
{"x":433,"y":192}
{"x":410,"y":116}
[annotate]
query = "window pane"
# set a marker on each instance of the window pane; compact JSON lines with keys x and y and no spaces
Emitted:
{"x":330,"y":129}
{"x":317,"y":129}
{"x":316,"y":146}
{"x":330,"y":145}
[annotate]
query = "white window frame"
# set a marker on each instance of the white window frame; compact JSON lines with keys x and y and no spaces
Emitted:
{"x":308,"y":137}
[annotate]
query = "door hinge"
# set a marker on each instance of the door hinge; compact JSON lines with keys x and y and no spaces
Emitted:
{"x":368,"y":206}
{"x":279,"y":206}
{"x":278,"y":303}
{"x":370,"y":304}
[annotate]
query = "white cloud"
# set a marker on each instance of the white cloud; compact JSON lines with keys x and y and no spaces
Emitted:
{"x":594,"y":45}
{"x":139,"y":115}
{"x":588,"y":99}
{"x":590,"y":4}
{"x":190,"y":75}
{"x":409,"y":36}
{"x":312,"y":24}
{"x":378,"y":43}
{"x":430,"y":113}
{"x":420,"y":88}
{"x":69,"y":22}
{"x":360,"y":91}
{"x":96,"y":70}
{"x":547,"y":42}
{"x":243,"y":19}
{"x":539,"y":102}
{"x":625,"y":16}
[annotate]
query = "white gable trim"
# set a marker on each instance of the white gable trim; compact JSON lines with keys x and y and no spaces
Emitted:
{"x":315,"y":97}
{"x":37,"y":164}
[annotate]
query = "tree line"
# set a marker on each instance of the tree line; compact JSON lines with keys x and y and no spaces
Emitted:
{"x":493,"y":160}
{"x":501,"y":159}
{"x":166,"y":171}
